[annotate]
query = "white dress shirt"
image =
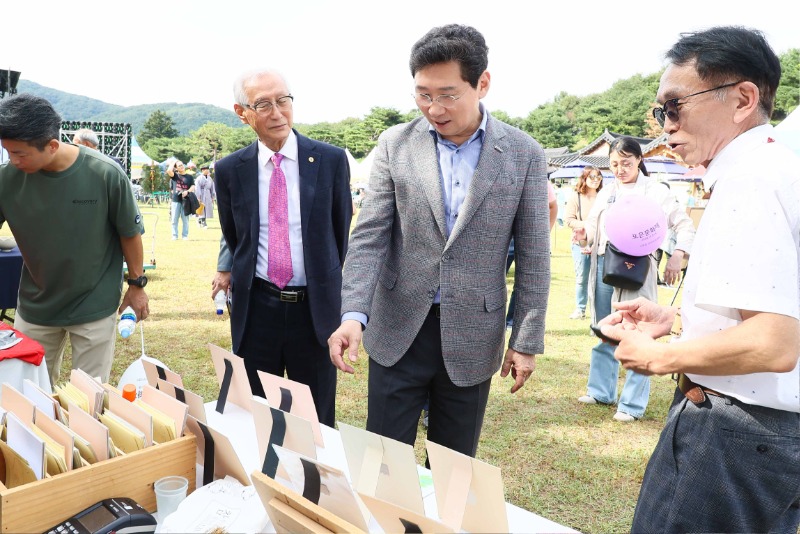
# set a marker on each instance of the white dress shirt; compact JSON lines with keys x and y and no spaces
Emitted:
{"x":747,"y":257}
{"x":291,"y":169}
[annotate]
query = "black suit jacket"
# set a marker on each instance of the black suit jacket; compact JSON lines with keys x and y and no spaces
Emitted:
{"x":326,"y":210}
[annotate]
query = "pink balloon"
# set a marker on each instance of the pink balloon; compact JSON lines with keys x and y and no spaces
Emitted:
{"x":636,"y":225}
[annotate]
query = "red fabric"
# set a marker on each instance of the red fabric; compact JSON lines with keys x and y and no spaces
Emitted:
{"x":27,"y":350}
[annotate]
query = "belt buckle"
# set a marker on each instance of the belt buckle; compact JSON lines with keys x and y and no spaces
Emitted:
{"x":288,"y":296}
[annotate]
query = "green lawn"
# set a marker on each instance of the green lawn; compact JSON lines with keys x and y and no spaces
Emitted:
{"x":562,"y":460}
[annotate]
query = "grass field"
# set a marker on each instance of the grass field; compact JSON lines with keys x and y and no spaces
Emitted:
{"x":565,"y":461}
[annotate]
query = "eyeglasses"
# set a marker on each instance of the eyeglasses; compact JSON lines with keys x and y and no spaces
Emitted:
{"x":593,"y":177}
{"x":625,"y":164}
{"x":670,"y":108}
{"x":283,"y":103}
{"x":446,"y":101}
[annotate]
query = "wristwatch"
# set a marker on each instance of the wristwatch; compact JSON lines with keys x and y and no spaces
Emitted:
{"x":138,"y":282}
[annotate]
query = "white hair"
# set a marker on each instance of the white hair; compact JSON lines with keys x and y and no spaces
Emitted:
{"x":86,"y":135}
{"x":242,"y":80}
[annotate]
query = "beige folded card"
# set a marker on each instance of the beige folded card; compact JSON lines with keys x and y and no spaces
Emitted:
{"x":154,"y":371}
{"x":129,"y":412}
{"x":90,"y":429}
{"x":276,"y":427}
{"x":393,"y":518}
{"x":216,"y":454}
{"x":192,"y":400}
{"x":173,"y":408}
{"x":323,"y":485}
{"x":232,"y":379}
{"x":292,"y":397}
{"x":60,"y":434}
{"x":469,"y":493}
{"x":90,"y":387}
{"x":382,"y":467}
{"x":15,"y":402}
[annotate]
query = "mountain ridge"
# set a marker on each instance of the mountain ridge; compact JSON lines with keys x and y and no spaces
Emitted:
{"x":72,"y":107}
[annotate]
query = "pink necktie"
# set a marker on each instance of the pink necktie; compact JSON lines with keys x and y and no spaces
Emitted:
{"x":279,"y":259}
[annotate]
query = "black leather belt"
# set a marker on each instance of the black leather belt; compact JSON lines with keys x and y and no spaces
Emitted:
{"x":287,"y":294}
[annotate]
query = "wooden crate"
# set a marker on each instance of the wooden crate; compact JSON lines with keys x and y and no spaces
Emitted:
{"x":39,"y":505}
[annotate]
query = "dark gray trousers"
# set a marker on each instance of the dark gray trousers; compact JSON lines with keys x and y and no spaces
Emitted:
{"x":722,"y":466}
{"x":398,"y":393}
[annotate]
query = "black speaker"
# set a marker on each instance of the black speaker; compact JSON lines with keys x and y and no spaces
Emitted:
{"x":8,"y":82}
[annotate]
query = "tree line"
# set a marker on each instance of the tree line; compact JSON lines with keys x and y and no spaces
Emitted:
{"x":567,"y":121}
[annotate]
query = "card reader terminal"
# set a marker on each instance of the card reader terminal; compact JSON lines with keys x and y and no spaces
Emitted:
{"x":118,"y":515}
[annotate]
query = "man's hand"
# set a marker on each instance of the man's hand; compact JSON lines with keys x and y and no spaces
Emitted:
{"x":521,"y":366}
{"x":136,"y":298}
{"x":347,"y":336}
{"x":638,"y":352}
{"x":672,"y":270}
{"x":641,"y":315}
{"x":221,"y":281}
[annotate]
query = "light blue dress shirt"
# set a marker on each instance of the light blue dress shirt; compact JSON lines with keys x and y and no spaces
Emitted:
{"x":457,"y":164}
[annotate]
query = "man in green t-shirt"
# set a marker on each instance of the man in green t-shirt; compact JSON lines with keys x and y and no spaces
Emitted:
{"x":73,"y":215}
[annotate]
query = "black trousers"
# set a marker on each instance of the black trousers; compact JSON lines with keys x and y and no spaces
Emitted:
{"x":279,"y":339}
{"x":398,"y":393}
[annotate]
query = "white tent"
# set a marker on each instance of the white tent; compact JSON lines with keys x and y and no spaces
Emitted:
{"x":351,"y":160}
{"x":359,"y":173}
{"x":788,"y":131}
{"x":139,"y":157}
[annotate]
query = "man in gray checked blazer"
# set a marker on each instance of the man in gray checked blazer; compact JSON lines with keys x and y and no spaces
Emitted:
{"x":426,"y":269}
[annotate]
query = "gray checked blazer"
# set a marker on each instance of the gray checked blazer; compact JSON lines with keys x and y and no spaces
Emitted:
{"x":400,"y":253}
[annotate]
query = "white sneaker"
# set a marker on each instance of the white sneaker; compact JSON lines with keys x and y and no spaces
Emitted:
{"x":578,"y":314}
{"x":587,"y":399}
{"x":624,"y":417}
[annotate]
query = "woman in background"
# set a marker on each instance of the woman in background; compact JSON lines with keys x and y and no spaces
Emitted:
{"x":579,"y":205}
{"x":625,"y":157}
{"x":207,"y":194}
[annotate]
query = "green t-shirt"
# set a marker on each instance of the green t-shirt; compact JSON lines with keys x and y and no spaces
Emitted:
{"x":68,"y":226}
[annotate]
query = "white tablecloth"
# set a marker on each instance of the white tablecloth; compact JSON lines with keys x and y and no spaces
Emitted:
{"x":14,"y":371}
{"x":238,"y":425}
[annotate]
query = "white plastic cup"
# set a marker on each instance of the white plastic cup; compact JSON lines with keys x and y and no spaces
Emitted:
{"x":170,"y":491}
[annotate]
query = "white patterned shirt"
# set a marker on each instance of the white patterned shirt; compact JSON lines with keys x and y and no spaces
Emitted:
{"x":746,"y":256}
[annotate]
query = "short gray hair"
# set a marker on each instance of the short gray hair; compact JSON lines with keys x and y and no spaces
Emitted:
{"x":86,"y":135}
{"x":239,"y":95}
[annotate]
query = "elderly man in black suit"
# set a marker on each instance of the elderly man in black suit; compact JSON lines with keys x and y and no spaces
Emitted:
{"x":285,"y":209}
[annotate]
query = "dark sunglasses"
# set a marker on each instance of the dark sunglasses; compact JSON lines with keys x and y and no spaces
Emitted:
{"x":670,"y":108}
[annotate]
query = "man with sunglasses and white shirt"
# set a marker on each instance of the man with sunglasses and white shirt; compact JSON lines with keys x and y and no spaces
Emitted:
{"x":728,"y":459}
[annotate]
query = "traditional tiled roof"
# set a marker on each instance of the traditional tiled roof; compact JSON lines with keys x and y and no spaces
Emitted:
{"x":557,"y":158}
{"x":553,"y":152}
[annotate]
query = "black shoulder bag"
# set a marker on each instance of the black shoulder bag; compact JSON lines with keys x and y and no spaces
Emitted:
{"x":623,"y":270}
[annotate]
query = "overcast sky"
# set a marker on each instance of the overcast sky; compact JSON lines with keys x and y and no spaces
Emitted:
{"x":344,"y":57}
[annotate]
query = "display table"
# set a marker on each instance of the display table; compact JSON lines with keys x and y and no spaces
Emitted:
{"x":10,"y":271}
{"x":237,"y":424}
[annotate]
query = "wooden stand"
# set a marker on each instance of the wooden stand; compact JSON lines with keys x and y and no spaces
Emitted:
{"x":290,"y":512}
{"x":37,"y":506}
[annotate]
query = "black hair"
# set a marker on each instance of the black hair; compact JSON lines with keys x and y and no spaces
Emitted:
{"x":628,"y":146}
{"x":29,"y":118}
{"x":726,"y":54}
{"x":453,"y":42}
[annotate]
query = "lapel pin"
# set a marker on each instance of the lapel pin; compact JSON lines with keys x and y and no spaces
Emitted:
{"x":498,"y":149}
{"x":310,"y":159}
